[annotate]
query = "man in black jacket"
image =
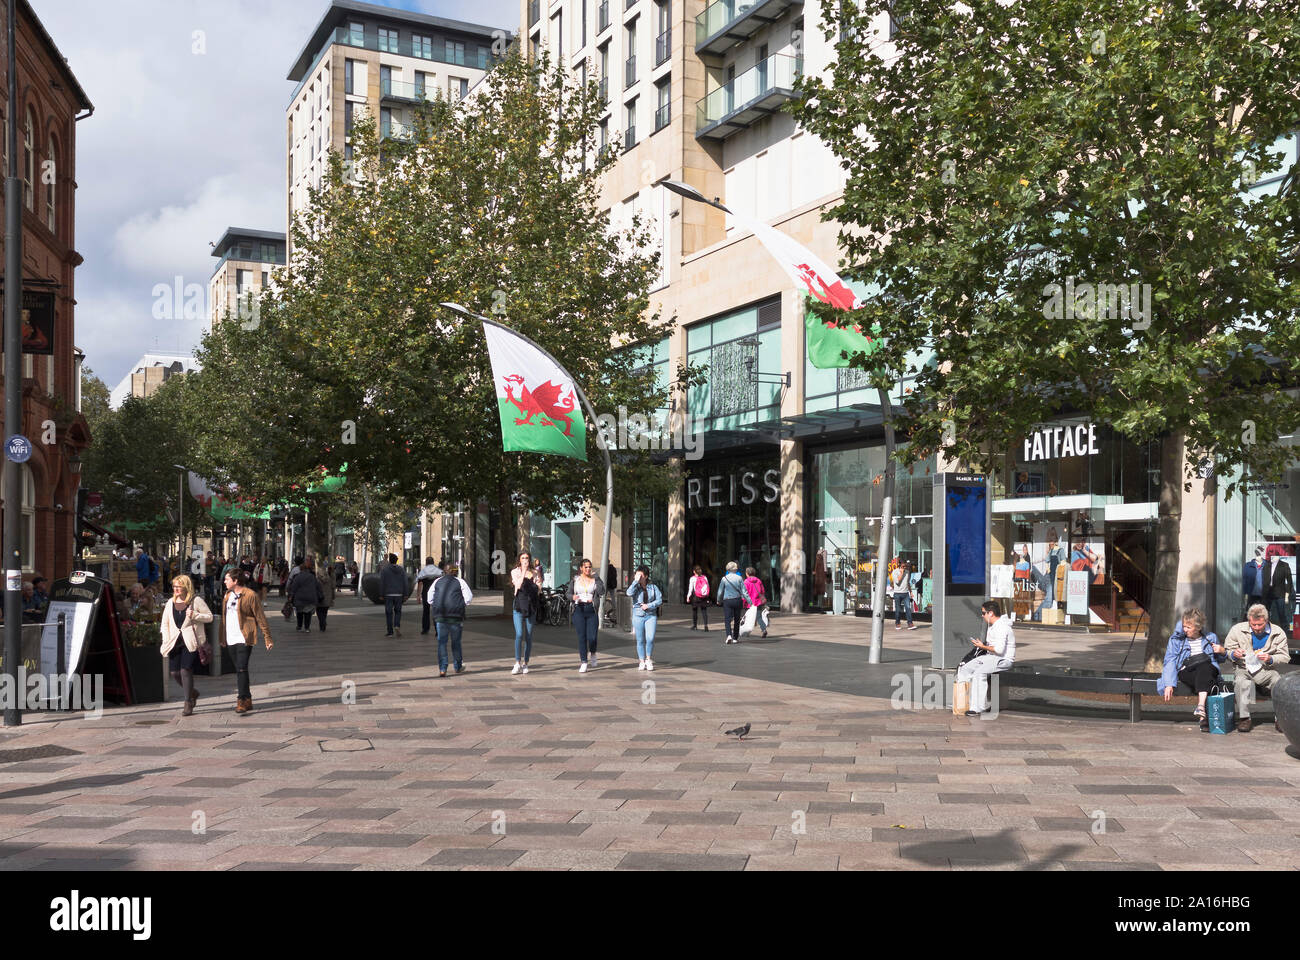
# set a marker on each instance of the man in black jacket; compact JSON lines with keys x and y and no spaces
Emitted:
{"x":394,"y":587}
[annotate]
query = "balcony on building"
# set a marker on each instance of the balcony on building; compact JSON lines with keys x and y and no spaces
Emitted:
{"x":756,"y":93}
{"x":393,"y":130}
{"x":663,"y":46}
{"x":602,"y":17}
{"x":604,"y":91}
{"x":400,"y":90}
{"x":629,"y":139}
{"x":629,"y":72}
{"x":663,"y":116}
{"x":726,"y":22}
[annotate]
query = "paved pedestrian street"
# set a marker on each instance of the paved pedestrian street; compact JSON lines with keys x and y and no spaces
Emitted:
{"x":618,"y":769}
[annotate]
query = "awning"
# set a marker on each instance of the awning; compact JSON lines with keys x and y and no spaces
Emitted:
{"x":109,"y":534}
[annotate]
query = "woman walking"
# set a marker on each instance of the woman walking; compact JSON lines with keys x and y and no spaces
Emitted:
{"x":646,"y":601}
{"x":697,"y":595}
{"x":182,"y":636}
{"x":756,"y":597}
{"x":731,"y":594}
{"x":305,"y":594}
{"x":326,"y":580}
{"x":584,"y":592}
{"x":262,"y":577}
{"x":527,"y":594}
{"x":242,"y":618}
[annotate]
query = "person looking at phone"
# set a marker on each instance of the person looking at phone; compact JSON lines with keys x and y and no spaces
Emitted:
{"x":999,"y":655}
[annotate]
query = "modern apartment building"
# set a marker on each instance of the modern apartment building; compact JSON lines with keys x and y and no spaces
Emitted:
{"x":149,"y":373}
{"x":246,"y":260}
{"x":51,"y":103}
{"x":381,"y":62}
{"x":793,"y":456}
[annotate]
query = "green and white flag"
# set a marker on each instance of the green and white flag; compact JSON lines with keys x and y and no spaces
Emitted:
{"x":536,"y":398}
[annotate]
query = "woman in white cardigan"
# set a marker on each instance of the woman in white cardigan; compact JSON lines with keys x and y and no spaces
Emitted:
{"x":182,"y":634}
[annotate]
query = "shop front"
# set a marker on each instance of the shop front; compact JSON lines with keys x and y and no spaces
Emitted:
{"x":846,"y":499}
{"x":1074,"y":509}
{"x":1257,"y":538}
{"x":733,"y":513}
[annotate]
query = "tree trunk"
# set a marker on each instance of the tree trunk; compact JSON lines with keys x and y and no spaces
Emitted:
{"x":1164,"y":579}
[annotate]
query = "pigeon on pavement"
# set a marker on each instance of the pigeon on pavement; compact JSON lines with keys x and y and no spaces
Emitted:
{"x":739,"y":732}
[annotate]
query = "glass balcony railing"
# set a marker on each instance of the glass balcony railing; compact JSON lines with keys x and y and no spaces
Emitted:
{"x":726,"y":22}
{"x":756,"y":92}
{"x":604,"y":90}
{"x":393,"y":130}
{"x":629,"y":72}
{"x":663,"y":46}
{"x":629,"y":138}
{"x":663,"y":116}
{"x":399,"y":90}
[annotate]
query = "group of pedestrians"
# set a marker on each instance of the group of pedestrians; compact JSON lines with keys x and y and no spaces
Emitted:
{"x":308,"y":591}
{"x":739,"y":598}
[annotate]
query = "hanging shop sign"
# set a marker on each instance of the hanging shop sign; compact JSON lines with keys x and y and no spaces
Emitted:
{"x":1055,"y":443}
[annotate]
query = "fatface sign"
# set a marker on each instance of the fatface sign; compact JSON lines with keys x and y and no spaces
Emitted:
{"x":732,"y":490}
{"x":1055,"y":443}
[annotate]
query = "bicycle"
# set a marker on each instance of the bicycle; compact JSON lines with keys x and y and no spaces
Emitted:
{"x":558,"y":608}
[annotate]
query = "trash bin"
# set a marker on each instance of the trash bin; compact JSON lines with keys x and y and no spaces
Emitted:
{"x":624,"y":607}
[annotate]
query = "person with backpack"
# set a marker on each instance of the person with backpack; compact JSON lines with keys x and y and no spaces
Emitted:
{"x":448,"y":600}
{"x":731,"y":594}
{"x":697,"y":595}
{"x":756,"y":600}
{"x":646,"y":601}
{"x":584,"y":593}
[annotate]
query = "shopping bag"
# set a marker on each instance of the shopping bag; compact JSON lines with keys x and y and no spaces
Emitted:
{"x":960,"y":698}
{"x":748,"y":621}
{"x":1219,"y":709}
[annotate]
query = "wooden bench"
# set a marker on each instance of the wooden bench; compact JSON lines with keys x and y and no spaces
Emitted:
{"x":1133,"y":685}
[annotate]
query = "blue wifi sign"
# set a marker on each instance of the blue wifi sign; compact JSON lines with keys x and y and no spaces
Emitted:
{"x":18,"y":449}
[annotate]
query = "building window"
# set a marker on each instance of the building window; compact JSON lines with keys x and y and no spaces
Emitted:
{"x":455,"y":52}
{"x":356,"y":34}
{"x":349,"y":76}
{"x":420,"y":80}
{"x":266,"y":279}
{"x":243,"y":282}
{"x":584,"y":24}
{"x":629,"y":65}
{"x":629,"y":136}
{"x":348,"y":117}
{"x":422,"y":47}
{"x":731,"y":344}
{"x":457,"y":88}
{"x":387,"y":40}
{"x":385,"y":81}
{"x":559,"y":34}
{"x":51,"y":175}
{"x":29,"y":161}
{"x":604,"y":133}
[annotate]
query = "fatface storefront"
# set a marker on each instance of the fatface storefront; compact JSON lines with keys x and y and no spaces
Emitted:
{"x":1074,"y":510}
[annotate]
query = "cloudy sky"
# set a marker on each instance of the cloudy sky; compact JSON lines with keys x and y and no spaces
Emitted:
{"x":181,"y":146}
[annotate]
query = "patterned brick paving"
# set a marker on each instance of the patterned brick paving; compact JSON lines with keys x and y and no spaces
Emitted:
{"x":558,"y":770}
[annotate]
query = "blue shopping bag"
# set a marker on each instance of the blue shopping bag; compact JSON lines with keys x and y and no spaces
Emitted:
{"x":1219,"y":709}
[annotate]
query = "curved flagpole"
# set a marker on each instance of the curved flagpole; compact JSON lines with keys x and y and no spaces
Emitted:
{"x":586,"y":405}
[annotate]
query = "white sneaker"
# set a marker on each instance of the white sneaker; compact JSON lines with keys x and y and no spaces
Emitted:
{"x":518,"y":667}
{"x":592,"y":661}
{"x":640,"y":665}
{"x":650,"y":665}
{"x":583,"y":668}
{"x":525,"y":669}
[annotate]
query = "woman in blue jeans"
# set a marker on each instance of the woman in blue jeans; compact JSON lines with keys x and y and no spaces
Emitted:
{"x":527,"y":591}
{"x":731,"y":593}
{"x":584,"y":592}
{"x":646,"y":601}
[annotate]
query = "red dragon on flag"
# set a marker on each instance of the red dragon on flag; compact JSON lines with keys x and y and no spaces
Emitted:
{"x":545,"y":402}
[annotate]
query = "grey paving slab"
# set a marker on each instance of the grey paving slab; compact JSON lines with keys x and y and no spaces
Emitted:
{"x":682,"y":861}
{"x":475,"y":857}
{"x":361,"y":840}
{"x":306,"y":866}
{"x":177,"y":837}
{"x":483,"y":803}
{"x":521,"y":828}
{"x":633,"y":794}
{"x":348,"y":813}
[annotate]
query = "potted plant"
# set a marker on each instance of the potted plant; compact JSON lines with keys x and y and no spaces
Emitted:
{"x":141,"y":641}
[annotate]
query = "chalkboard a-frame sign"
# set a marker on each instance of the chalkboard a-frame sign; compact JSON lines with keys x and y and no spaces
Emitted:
{"x":93,"y":642}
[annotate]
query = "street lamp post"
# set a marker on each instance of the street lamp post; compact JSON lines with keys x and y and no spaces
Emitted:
{"x":13,"y":345}
{"x":180,"y":510}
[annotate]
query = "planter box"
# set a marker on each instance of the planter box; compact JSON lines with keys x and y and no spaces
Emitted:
{"x":147,"y":670}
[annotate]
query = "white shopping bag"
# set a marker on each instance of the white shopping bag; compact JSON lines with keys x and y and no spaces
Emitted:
{"x":747,"y":622}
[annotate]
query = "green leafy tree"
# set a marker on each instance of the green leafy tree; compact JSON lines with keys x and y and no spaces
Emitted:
{"x":994,"y":150}
{"x":492,"y":203}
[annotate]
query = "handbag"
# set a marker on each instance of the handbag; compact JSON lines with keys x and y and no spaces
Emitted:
{"x":287,"y":610}
{"x":205,"y":653}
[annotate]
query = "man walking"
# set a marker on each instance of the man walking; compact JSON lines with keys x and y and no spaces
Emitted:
{"x":392,"y":583}
{"x":423,"y":581}
{"x":448,"y":599}
{"x":1255,"y":647}
{"x":1001,"y":653}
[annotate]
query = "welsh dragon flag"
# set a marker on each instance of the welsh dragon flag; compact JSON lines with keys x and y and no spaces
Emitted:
{"x":536,"y":398}
{"x":827,"y":346}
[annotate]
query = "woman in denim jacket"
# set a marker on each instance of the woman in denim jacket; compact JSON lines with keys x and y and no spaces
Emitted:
{"x":1193,"y":657}
{"x":646,"y":601}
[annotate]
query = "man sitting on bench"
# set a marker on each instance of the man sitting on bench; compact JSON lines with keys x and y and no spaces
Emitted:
{"x":1255,"y":646}
{"x":1001,"y":654}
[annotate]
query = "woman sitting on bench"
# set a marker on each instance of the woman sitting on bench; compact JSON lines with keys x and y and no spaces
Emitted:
{"x":1192,"y":657}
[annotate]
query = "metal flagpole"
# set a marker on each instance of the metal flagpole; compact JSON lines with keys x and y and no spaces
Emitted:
{"x":595,"y":424}
{"x":13,"y":345}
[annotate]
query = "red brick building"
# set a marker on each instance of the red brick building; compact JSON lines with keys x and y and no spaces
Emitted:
{"x":50,"y":103}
